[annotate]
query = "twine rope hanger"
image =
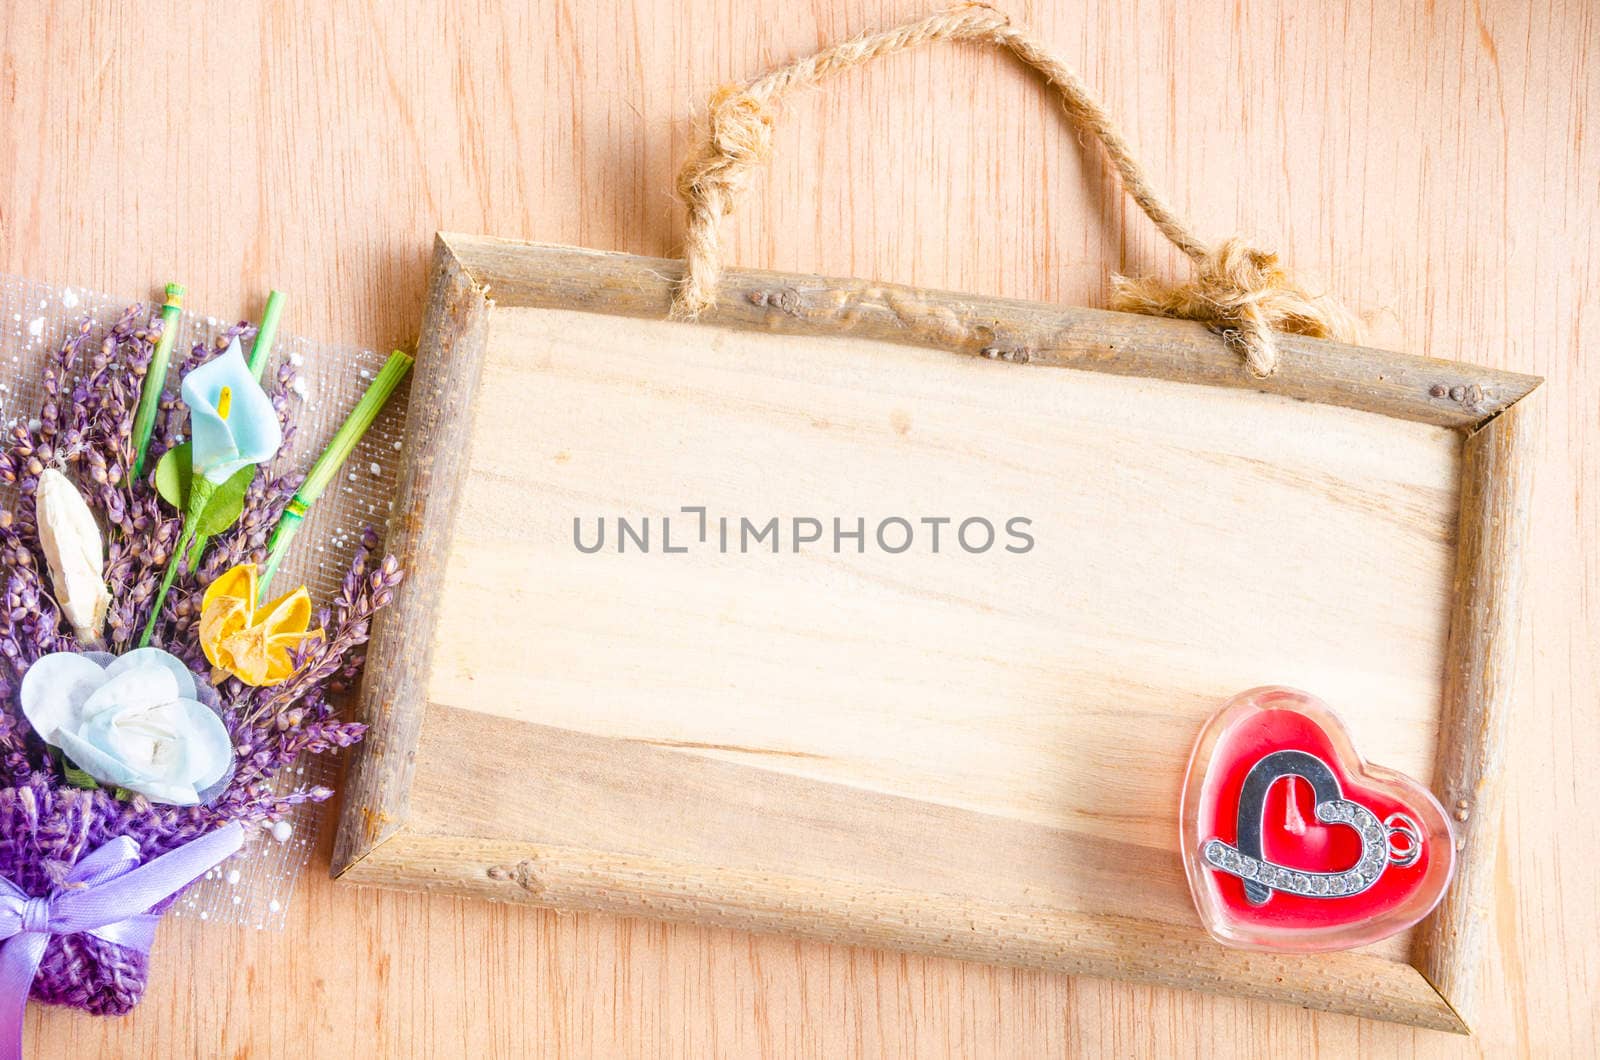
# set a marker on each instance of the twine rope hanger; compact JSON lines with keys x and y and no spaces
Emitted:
{"x":1237,"y":290}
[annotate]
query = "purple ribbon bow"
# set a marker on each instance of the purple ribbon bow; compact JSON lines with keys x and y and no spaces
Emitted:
{"x":105,"y":895}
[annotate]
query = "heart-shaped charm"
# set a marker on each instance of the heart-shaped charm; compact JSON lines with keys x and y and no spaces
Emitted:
{"x":1292,"y":842}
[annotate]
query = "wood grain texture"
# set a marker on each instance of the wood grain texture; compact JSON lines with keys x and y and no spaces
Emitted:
{"x":620,"y":826}
{"x":454,"y":324}
{"x":1425,"y":390}
{"x":983,"y":709}
{"x":1433,"y":162}
{"x":1479,"y":691}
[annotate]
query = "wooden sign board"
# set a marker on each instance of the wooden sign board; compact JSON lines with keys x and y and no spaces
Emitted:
{"x":770,"y":698}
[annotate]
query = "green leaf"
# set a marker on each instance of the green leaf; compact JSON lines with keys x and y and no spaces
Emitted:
{"x":174,"y":480}
{"x":122,"y":795}
{"x":77,"y":777}
{"x":226,"y":502}
{"x":173,"y":474}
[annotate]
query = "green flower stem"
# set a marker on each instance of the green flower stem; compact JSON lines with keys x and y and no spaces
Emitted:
{"x":200,"y":491}
{"x":332,"y":459}
{"x":267,"y":335}
{"x":278,"y":547}
{"x":155,"y":378}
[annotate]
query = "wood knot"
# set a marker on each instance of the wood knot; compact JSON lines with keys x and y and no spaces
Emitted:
{"x":1467,"y":395}
{"x":783,"y":299}
{"x":1014,"y":354}
{"x":522,"y":874}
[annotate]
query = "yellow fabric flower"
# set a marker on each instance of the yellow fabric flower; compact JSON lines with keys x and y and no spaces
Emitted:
{"x":253,"y":643}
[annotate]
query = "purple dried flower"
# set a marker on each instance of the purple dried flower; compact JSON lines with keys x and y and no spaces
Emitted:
{"x":91,"y":389}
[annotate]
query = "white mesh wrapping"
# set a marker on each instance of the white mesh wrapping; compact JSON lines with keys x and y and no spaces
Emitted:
{"x":255,"y":888}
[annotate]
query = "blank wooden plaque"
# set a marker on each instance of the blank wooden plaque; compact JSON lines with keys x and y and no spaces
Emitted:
{"x":976,"y":755}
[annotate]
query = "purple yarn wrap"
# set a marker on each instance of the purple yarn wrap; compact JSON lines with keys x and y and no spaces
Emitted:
{"x":92,"y":974}
{"x":44,"y":830}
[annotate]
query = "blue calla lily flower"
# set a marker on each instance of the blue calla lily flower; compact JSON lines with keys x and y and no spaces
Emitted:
{"x":231,"y":419}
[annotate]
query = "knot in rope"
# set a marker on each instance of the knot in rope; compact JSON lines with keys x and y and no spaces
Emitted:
{"x":1245,"y":295}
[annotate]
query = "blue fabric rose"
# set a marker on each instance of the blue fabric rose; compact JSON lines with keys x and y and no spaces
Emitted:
{"x":133,"y":721}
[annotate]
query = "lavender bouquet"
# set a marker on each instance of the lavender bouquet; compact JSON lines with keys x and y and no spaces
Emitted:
{"x":151,"y":689}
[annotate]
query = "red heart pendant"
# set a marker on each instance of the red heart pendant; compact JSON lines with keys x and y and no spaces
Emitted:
{"x":1292,"y":842}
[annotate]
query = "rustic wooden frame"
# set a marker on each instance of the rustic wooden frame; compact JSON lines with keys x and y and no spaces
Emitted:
{"x":472,"y":274}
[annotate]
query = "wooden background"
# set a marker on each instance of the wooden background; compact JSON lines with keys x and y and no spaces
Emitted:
{"x":1435,"y":162}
